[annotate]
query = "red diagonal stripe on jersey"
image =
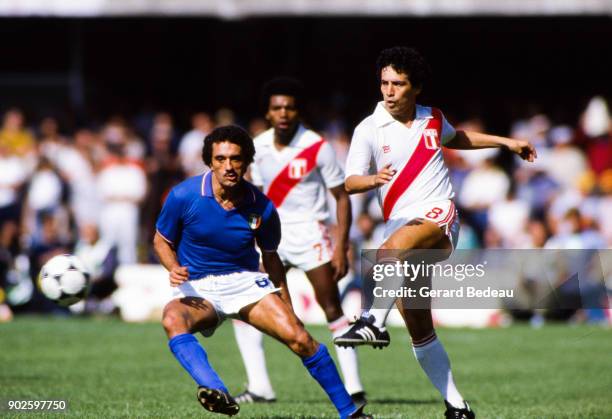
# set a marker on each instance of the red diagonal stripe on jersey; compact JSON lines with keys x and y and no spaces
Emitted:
{"x":282,"y":183}
{"x":419,"y":159}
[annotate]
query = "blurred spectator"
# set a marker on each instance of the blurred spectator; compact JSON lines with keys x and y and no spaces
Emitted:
{"x":14,"y":138}
{"x":565,"y":161}
{"x":50,"y":143}
{"x":163,"y":127}
{"x":13,"y":175}
{"x":121,"y":186}
{"x":117,"y":132}
{"x":508,"y":218}
{"x":536,"y":188}
{"x":190,"y":147}
{"x":44,"y":199}
{"x":482,"y":187}
{"x":163,"y":172}
{"x":605,"y":205}
{"x":76,"y":167}
{"x":100,"y":260}
{"x":225,"y":116}
{"x":595,"y":120}
{"x":534,"y":235}
{"x":574,"y":233}
{"x":595,"y":134}
{"x":50,"y":241}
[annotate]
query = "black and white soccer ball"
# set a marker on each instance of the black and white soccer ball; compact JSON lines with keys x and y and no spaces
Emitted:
{"x":64,"y":280}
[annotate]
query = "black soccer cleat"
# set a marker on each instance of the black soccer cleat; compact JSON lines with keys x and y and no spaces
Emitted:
{"x":247,"y":397}
{"x":359,"y":398}
{"x":454,"y":413}
{"x":363,"y":332}
{"x":359,"y":413}
{"x":217,"y":401}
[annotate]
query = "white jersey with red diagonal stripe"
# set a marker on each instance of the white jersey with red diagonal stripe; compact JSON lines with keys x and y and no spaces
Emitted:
{"x":296,"y":178}
{"x":414,"y":152}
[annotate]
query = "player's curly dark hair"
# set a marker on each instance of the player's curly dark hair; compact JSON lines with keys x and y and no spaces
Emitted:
{"x":286,"y":86}
{"x":235,"y":135}
{"x":404,"y":60}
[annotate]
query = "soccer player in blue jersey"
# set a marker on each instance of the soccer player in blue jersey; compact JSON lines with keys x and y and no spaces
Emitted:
{"x":206,"y":236}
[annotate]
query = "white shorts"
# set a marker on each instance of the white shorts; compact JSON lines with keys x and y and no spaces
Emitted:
{"x":442,"y":213}
{"x":229,"y":293}
{"x":305,"y":245}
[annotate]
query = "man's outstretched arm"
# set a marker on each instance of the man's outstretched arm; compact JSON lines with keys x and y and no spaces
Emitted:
{"x":470,"y":140}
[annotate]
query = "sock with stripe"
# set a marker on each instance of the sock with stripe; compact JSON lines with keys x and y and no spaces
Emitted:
{"x":250,"y":343}
{"x":347,"y":358}
{"x":321,"y":367}
{"x":192,"y":356}
{"x":434,"y":360}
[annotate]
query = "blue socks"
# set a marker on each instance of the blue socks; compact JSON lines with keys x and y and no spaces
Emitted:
{"x":322,"y":368}
{"x":190,"y":354}
{"x":188,"y":351}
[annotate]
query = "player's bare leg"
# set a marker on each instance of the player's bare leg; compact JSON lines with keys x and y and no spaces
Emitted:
{"x":400,"y":246}
{"x":188,"y":315}
{"x":250,"y":343}
{"x":275,"y":318}
{"x":181,"y":318}
{"x":328,"y":297}
{"x":326,"y":291}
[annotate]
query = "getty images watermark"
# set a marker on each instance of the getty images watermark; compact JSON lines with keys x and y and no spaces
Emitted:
{"x":487,"y":278}
{"x":385,"y":273}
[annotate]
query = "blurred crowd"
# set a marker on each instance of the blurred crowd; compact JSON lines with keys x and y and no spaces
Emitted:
{"x":96,"y":192}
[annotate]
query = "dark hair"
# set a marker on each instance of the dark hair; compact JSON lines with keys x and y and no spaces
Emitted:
{"x":286,"y":86}
{"x":235,"y":135}
{"x":404,"y":60}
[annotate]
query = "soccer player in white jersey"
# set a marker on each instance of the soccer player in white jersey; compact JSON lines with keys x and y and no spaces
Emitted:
{"x":295,"y":167}
{"x":404,"y":140}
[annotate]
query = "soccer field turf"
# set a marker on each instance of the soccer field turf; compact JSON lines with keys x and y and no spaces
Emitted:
{"x":106,"y":368}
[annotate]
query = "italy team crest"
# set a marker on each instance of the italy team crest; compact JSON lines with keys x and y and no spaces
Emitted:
{"x":254,"y":221}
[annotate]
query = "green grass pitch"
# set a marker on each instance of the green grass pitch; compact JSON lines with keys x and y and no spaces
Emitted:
{"x":106,"y":368}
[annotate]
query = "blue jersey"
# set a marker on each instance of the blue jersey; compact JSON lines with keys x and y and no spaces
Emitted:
{"x":210,"y":240}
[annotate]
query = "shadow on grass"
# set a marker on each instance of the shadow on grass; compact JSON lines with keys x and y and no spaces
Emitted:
{"x":402,"y":401}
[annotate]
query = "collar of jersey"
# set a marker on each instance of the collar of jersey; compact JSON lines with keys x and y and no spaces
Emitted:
{"x":207,"y":190}
{"x":382,"y":117}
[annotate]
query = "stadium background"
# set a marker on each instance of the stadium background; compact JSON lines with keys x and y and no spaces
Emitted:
{"x":532,"y":75}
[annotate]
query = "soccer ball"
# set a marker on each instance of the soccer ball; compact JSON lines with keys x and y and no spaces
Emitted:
{"x":64,"y":280}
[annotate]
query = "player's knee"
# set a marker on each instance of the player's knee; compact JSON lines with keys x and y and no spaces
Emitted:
{"x":173,"y":323}
{"x":391,"y":250}
{"x":301,"y":343}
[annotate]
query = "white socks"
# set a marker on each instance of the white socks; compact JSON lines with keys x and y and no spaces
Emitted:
{"x":433,"y":359}
{"x":250,"y":343}
{"x":380,"y":315}
{"x":381,"y":306}
{"x":347,"y":358}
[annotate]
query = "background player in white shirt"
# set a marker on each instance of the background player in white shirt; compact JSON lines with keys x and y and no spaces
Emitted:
{"x":295,"y":167}
{"x":404,"y":140}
